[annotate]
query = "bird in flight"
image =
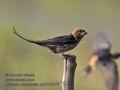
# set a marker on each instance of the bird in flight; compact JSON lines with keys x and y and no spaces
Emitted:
{"x":60,"y":44}
{"x":104,"y":59}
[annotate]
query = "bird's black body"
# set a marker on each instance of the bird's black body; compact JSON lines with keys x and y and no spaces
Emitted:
{"x":104,"y":55}
{"x":58,"y":44}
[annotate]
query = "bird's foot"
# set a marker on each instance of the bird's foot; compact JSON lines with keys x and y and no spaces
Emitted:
{"x":66,"y":55}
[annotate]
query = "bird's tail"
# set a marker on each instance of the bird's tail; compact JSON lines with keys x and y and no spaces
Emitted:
{"x":28,"y":40}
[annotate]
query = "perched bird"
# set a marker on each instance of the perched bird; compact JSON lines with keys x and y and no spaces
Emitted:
{"x":104,"y":59}
{"x":59,"y":44}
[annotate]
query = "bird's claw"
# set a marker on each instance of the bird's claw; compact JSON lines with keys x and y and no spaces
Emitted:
{"x":66,"y":55}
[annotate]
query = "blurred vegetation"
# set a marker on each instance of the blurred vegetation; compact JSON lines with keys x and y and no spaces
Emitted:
{"x":42,"y":19}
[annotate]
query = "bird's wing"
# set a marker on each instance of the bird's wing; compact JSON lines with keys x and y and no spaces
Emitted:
{"x":100,"y":42}
{"x":110,"y":74}
{"x":116,"y":55}
{"x":66,"y":39}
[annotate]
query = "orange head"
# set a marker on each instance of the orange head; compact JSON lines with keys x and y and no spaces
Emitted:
{"x":78,"y":33}
{"x":93,"y":61}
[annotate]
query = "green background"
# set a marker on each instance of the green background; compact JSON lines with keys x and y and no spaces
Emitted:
{"x":42,"y":19}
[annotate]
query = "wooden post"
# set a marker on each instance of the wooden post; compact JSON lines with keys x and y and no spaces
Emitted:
{"x":68,"y":72}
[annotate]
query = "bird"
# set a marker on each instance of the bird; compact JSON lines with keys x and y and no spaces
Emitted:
{"x":104,"y":59}
{"x":60,"y":44}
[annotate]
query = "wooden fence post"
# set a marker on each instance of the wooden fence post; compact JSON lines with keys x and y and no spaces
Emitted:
{"x":69,"y":72}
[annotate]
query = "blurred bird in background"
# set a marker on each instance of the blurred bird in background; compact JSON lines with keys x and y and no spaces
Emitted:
{"x":59,"y":44}
{"x":104,"y":59}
